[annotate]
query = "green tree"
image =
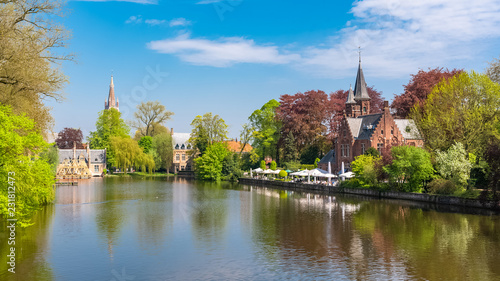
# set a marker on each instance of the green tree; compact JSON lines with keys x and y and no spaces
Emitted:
{"x":410,"y":167}
{"x":148,"y":116}
{"x":162,"y":144}
{"x":273,"y":165}
{"x":146,"y":143}
{"x":453,"y":164}
{"x":207,"y":129}
{"x":128,"y":154}
{"x":463,"y":109}
{"x":309,"y":154}
{"x":372,"y":151}
{"x":316,"y":162}
{"x":108,"y":124}
{"x":31,"y":177}
{"x":267,"y":129}
{"x":365,"y":169}
{"x":30,"y":40}
{"x":209,"y":165}
{"x":230,"y":167}
{"x":263,"y":164}
{"x":289,"y":150}
{"x":51,"y":155}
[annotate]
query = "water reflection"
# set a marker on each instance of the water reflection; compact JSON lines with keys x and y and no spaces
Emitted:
{"x":179,"y":229}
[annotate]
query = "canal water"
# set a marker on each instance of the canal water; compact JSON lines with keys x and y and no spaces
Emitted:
{"x":179,"y":229}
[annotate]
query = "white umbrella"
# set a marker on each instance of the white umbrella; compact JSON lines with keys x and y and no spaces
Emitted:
{"x":258,"y":170}
{"x":275,"y":172}
{"x":251,"y":175}
{"x":330,"y":172}
{"x":347,"y":175}
{"x":267,"y":171}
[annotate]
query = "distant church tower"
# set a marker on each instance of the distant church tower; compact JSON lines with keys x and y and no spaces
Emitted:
{"x":358,"y":101}
{"x":111,"y":102}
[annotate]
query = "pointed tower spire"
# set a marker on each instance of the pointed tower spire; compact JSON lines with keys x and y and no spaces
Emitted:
{"x":112,"y":102}
{"x":360,"y":92}
{"x":350,"y":96}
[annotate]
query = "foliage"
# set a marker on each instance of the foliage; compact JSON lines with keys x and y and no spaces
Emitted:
{"x":372,"y":151}
{"x":263,"y":165}
{"x":108,"y":124}
{"x":309,"y":154}
{"x":68,"y":136}
{"x":307,"y":166}
{"x":304,"y":115}
{"x":410,"y":167}
{"x":128,"y":154}
{"x":364,"y":167}
{"x":29,"y":58}
{"x":230,"y":169}
{"x":266,"y":129}
{"x":493,"y":70}
{"x":442,"y":186}
{"x":207,"y":129}
{"x":249,"y":160}
{"x":162,"y":145}
{"x":146,"y":144}
{"x":209,"y":165}
{"x":453,"y":164}
{"x":31,"y":176}
{"x":148,"y":116}
{"x":316,"y":161}
{"x":292,"y":165}
{"x":492,"y":157}
{"x":283,"y":173}
{"x":51,"y":156}
{"x":419,"y":87}
{"x":289,"y":150}
{"x":246,"y":135}
{"x":156,"y":129}
{"x":463,"y":109}
{"x":273,"y":165}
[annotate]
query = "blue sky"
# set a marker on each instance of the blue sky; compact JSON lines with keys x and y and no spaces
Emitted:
{"x":230,"y":57}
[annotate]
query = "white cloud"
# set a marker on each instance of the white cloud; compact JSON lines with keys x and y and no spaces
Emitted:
{"x":179,"y":22}
{"x":398,"y":37}
{"x":155,"y":21}
{"x":221,"y":53}
{"x":204,"y":2}
{"x":134,"y":19}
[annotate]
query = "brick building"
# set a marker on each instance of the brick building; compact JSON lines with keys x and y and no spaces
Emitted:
{"x":361,"y":129}
{"x":181,"y":160}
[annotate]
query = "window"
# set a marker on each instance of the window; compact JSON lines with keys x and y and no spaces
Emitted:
{"x":177,"y":146}
{"x":392,"y":131}
{"x":379,"y":147}
{"x":345,"y":133}
{"x":342,"y":150}
{"x":183,"y":146}
{"x":183,"y":157}
{"x":96,"y":160}
{"x":182,"y":168}
{"x":347,"y":151}
{"x":364,"y":109}
{"x":177,"y":157}
{"x":362,"y":148}
{"x":382,"y":132}
{"x":96,"y":168}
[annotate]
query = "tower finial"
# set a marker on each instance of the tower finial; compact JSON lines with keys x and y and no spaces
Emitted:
{"x":359,"y":53}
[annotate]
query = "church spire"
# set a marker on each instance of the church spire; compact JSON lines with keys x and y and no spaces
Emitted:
{"x":350,"y":96}
{"x":112,"y":102}
{"x":360,"y":92}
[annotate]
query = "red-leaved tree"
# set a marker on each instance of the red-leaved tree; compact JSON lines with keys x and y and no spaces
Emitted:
{"x":419,"y":87}
{"x":67,"y":136}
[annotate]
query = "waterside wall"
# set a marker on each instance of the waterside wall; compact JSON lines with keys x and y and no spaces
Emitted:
{"x":428,"y":198}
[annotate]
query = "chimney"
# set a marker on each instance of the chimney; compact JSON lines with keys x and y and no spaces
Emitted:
{"x":386,"y":106}
{"x":171,"y":131}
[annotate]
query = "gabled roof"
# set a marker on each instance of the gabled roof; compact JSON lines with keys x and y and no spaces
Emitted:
{"x":99,"y":154}
{"x":329,"y":157}
{"x":235,"y":146}
{"x":360,"y":92}
{"x":362,"y":127}
{"x":408,"y":129}
{"x":180,"y":139}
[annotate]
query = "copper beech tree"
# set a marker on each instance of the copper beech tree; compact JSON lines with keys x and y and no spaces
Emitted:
{"x":419,"y":87}
{"x":68,"y":136}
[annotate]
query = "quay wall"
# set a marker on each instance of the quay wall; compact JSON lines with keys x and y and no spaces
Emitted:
{"x":421,"y":197}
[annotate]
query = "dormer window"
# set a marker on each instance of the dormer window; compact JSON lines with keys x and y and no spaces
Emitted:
{"x":183,"y":146}
{"x":177,"y":146}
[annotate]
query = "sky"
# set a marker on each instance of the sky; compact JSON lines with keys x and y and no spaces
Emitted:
{"x":230,"y":57}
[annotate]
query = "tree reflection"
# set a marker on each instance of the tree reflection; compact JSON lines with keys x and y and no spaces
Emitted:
{"x":31,"y":245}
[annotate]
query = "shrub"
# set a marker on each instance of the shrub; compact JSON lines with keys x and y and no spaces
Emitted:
{"x":263,"y":165}
{"x":441,"y":186}
{"x":307,"y":166}
{"x":273,"y":165}
{"x":292,"y":165}
{"x":283,"y":173}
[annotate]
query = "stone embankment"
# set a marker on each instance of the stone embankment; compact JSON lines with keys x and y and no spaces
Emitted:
{"x":420,"y":197}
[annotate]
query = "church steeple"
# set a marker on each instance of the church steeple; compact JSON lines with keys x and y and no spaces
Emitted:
{"x":360,"y":92}
{"x":112,"y":102}
{"x":350,"y":96}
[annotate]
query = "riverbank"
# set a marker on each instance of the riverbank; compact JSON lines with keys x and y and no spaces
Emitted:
{"x":421,"y":197}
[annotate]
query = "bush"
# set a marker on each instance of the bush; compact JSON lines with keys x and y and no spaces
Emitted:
{"x":441,"y":186}
{"x":292,"y":165}
{"x":307,"y":166}
{"x":273,"y":165}
{"x":283,"y":173}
